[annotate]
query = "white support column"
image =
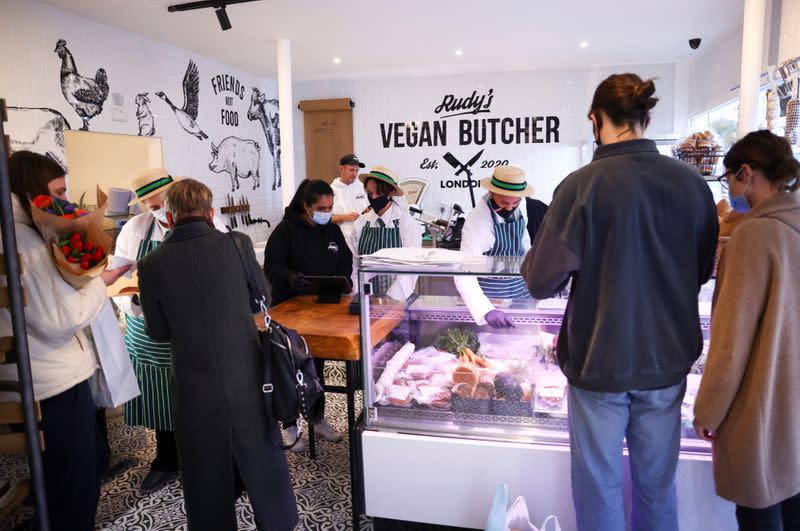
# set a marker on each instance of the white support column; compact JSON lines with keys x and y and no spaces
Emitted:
{"x":752,"y":55}
{"x":286,"y":120}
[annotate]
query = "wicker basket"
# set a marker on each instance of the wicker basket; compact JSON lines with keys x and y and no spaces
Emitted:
{"x":705,"y":160}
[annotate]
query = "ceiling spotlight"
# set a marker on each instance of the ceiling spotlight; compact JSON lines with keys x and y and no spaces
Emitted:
{"x":584,"y":44}
{"x":459,"y":52}
{"x":222,"y":16}
{"x":336,"y":60}
{"x":218,"y":6}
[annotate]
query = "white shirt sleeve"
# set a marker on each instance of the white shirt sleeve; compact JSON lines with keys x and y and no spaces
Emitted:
{"x":339,"y":206}
{"x":477,"y":237}
{"x":126,"y":247}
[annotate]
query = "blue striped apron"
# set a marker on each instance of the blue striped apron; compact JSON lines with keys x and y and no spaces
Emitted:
{"x":151,"y":364}
{"x":508,"y":237}
{"x":374,"y":239}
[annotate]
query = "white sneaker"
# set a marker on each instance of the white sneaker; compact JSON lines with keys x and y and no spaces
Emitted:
{"x":327,"y":431}
{"x":291,"y":435}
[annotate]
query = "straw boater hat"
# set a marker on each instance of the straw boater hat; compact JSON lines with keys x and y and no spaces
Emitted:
{"x":382,"y":174}
{"x":508,"y":180}
{"x":150,"y":183}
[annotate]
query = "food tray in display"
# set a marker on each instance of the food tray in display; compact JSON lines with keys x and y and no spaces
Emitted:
{"x":470,"y":405}
{"x":550,"y":394}
{"x":508,"y":408}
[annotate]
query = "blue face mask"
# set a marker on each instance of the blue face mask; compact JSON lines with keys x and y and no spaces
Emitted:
{"x":739,"y":203}
{"x":321,"y":218}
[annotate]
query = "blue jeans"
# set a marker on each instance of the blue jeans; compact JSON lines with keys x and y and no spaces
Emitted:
{"x":650,"y":420}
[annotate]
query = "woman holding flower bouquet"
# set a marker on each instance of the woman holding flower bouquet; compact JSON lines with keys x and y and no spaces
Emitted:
{"x":61,"y":359}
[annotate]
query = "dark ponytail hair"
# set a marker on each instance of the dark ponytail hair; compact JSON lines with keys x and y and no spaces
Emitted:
{"x":625,"y":98}
{"x":29,"y":174}
{"x":308,"y":193}
{"x":769,"y":153}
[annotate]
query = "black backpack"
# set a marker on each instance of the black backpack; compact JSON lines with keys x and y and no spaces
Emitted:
{"x":291,"y":388}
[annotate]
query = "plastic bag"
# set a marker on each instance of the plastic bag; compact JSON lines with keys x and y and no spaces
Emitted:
{"x":115,"y":382}
{"x":516,"y":518}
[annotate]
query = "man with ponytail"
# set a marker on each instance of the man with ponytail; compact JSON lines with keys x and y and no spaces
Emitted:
{"x":636,"y":232}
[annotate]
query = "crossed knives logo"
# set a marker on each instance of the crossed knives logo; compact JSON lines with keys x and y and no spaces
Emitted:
{"x":465,"y":168}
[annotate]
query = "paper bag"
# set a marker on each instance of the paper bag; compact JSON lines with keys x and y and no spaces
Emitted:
{"x":114,"y":383}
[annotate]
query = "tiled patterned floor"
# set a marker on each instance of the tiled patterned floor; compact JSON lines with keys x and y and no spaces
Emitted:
{"x":322,"y":485}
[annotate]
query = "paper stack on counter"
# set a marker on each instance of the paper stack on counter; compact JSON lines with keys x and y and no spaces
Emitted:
{"x":413,"y":256}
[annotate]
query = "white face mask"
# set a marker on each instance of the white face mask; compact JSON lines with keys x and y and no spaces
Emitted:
{"x":160,"y":214}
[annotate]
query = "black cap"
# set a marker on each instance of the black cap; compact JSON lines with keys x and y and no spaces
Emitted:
{"x":351,"y":160}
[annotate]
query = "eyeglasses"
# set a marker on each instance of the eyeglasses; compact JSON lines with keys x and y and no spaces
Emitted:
{"x":723,"y":181}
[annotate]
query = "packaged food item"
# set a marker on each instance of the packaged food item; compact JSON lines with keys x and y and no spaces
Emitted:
{"x":463,"y":390}
{"x":393,"y":367}
{"x":399,"y":395}
{"x":507,"y":387}
{"x":465,"y":373}
{"x":550,"y":397}
{"x":418,"y":371}
{"x":483,"y":391}
{"x":550,"y":393}
{"x":792,"y":131}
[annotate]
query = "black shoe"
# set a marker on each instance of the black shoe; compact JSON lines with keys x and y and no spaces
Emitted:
{"x":121,"y":466}
{"x":156,"y":479}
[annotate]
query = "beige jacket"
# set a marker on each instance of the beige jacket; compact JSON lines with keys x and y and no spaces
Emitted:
{"x":750,"y":392}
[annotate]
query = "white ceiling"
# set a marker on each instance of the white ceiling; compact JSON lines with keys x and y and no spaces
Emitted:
{"x":385,"y":38}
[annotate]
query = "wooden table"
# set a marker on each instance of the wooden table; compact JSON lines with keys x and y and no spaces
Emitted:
{"x":333,"y":334}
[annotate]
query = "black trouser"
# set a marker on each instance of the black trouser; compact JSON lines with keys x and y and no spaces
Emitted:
{"x":74,"y":458}
{"x":319,"y":365}
{"x":783,"y":516}
{"x":166,"y":452}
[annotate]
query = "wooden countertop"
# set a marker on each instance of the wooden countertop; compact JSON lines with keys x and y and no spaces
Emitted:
{"x":330,"y":331}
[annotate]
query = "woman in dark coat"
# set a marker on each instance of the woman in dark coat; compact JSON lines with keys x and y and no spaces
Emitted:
{"x":304,"y":243}
{"x":194,"y":294}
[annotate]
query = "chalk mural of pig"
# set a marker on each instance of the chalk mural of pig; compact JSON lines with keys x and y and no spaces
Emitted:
{"x":240,"y":158}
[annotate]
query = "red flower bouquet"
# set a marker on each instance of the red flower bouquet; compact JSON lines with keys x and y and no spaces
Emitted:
{"x":76,"y":235}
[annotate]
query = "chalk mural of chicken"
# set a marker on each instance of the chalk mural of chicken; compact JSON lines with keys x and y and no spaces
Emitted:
{"x":85,"y":94}
{"x":187,"y":116}
{"x":147,"y":125}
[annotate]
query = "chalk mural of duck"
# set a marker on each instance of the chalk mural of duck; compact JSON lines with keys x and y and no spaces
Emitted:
{"x":187,"y":115}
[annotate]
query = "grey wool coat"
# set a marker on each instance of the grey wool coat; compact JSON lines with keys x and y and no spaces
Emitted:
{"x":194,"y":294}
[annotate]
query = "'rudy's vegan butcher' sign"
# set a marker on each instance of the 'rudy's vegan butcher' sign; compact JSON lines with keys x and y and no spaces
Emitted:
{"x":470,"y":128}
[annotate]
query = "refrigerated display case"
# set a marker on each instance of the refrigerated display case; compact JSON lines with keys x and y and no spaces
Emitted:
{"x":453,"y":408}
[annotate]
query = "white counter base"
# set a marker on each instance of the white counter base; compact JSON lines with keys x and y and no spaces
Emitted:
{"x":448,"y":481}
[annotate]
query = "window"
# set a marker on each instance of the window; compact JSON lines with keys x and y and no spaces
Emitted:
{"x":724,"y":120}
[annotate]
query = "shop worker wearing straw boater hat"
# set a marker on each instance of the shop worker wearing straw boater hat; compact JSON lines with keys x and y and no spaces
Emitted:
{"x":151,"y":359}
{"x":385,"y":225}
{"x":497,"y":226}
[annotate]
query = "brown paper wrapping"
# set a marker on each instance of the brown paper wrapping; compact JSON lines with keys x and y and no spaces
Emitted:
{"x":54,"y":229}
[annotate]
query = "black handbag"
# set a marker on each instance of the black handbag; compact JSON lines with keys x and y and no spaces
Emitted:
{"x":291,"y":388}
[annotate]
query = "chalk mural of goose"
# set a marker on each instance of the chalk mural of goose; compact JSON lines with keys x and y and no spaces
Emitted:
{"x":187,"y":115}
